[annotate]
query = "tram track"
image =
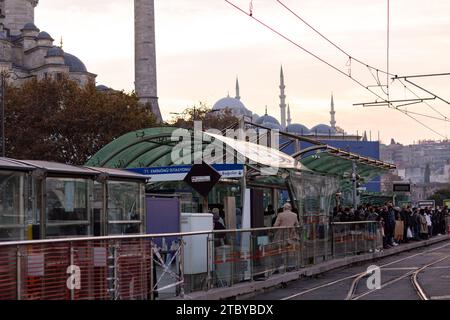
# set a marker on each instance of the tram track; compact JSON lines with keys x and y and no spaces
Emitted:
{"x":413,"y":275}
{"x":351,"y":294}
{"x":415,"y":281}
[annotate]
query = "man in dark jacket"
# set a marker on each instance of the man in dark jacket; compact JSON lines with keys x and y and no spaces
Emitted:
{"x":416,"y":223}
{"x":390,"y":225}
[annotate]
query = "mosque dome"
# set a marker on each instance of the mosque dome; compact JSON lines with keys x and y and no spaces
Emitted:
{"x":233,"y":104}
{"x":102,"y":88}
{"x":297,"y":128}
{"x":74,"y":64}
{"x":55,"y":52}
{"x":31,"y":27}
{"x":266,"y":119}
{"x":44,"y":36}
{"x":322,"y":129}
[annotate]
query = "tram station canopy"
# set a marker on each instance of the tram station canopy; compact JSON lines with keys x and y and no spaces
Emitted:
{"x":153,"y":147}
{"x":341,"y":164}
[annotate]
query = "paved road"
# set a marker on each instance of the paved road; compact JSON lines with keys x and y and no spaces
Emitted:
{"x":422,"y":273}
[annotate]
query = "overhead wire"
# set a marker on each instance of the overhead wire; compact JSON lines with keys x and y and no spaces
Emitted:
{"x":304,"y":49}
{"x":387,"y":47}
{"x":426,"y":103}
{"x":406,"y":113}
{"x":390,"y":105}
{"x":330,"y":41}
{"x":369,"y":67}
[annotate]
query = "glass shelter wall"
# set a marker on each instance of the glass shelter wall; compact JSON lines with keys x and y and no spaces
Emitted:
{"x":68,"y":207}
{"x":314,"y":195}
{"x":125,"y":207}
{"x":13,"y":212}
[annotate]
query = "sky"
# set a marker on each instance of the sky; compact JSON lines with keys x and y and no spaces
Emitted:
{"x":203,"y":45}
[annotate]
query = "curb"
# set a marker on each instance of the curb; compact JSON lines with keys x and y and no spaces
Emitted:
{"x":248,"y":289}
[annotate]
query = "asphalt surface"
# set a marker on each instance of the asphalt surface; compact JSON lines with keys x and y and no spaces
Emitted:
{"x":430,"y":266}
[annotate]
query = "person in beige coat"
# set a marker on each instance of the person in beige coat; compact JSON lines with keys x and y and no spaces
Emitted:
{"x":287,"y":218}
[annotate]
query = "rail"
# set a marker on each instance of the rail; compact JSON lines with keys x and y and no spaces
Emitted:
{"x":164,"y":266}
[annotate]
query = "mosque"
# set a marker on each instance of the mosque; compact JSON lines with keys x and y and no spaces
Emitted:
{"x":331,"y":134}
{"x":27,"y":51}
{"x":322,"y":131}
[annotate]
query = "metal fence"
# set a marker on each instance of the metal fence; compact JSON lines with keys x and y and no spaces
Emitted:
{"x":144,"y":267}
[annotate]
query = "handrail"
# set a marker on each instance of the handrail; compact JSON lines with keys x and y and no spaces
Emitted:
{"x":354,"y":222}
{"x":138,"y":236}
{"x":160,"y":235}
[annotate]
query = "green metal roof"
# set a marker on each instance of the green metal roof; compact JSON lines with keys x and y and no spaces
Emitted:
{"x":143,"y":148}
{"x":333,"y":163}
{"x":155,"y":147}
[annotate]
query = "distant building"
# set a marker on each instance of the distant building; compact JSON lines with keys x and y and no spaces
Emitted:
{"x":423,"y":162}
{"x":270,"y":119}
{"x":329,"y":134}
{"x":28,"y":51}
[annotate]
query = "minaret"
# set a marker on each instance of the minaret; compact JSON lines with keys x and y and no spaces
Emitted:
{"x":237,"y":89}
{"x":289,"y":120}
{"x":365,"y":136}
{"x":282,"y":100}
{"x":16,"y":14}
{"x":333,"y":113}
{"x":145,"y":55}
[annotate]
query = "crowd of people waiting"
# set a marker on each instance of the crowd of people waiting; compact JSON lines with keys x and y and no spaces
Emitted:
{"x":399,"y":225}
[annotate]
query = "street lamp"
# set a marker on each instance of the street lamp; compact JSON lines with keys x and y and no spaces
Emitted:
{"x":5,"y":74}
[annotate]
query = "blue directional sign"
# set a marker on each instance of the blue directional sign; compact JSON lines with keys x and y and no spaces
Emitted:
{"x":178,"y":173}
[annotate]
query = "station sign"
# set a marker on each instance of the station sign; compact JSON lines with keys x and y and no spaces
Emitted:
{"x":178,"y":173}
{"x":422,"y":204}
{"x":202,"y":178}
{"x":401,"y":187}
{"x":199,"y":179}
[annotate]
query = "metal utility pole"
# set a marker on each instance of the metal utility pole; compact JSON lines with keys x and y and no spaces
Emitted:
{"x":354,"y":184}
{"x":2,"y":95}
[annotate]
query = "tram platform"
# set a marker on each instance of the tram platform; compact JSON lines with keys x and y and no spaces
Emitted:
{"x":246,"y":290}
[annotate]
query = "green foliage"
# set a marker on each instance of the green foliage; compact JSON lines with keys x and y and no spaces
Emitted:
{"x":61,"y":121}
{"x":440,"y":195}
{"x":210,"y":120}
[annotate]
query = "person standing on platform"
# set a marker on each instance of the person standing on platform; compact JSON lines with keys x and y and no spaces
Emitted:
{"x":423,"y":225}
{"x":429,"y":223}
{"x":390,"y":225}
{"x":287,"y":218}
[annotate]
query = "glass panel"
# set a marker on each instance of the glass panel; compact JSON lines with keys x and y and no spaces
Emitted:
{"x":314,"y":194}
{"x":34,"y":205}
{"x":67,"y":207}
{"x":97,"y":209}
{"x":12,"y":206}
{"x":258,"y":153}
{"x":125,"y":207}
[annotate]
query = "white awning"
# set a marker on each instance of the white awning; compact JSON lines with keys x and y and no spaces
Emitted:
{"x":259,"y":154}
